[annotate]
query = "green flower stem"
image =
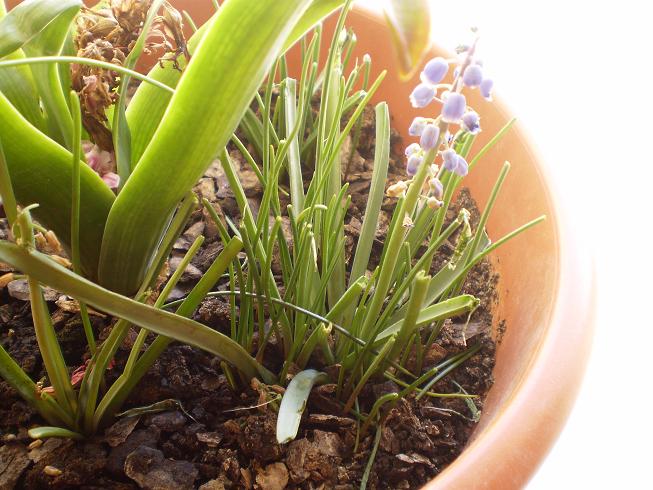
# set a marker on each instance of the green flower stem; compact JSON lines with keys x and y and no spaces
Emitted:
{"x":405,"y":209}
{"x":40,"y":60}
{"x":75,"y":212}
{"x":409,"y":325}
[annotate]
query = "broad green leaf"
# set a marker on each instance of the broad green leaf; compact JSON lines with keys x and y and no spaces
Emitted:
{"x":293,"y":403}
{"x":410,"y":28}
{"x":40,"y":28}
{"x":24,"y":22}
{"x":17,"y":84}
{"x":41,"y":172}
{"x":147,"y":107}
{"x":239,"y":48}
{"x":41,"y":267}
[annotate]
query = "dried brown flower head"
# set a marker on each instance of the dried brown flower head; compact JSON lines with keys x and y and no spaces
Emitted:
{"x":109,"y":34}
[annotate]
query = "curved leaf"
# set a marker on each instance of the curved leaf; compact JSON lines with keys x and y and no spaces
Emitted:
{"x":40,"y":28}
{"x":17,"y":84}
{"x":439,"y":311}
{"x":25,"y":21}
{"x":147,"y":107}
{"x":41,"y":172}
{"x":215,"y":90}
{"x":293,"y":403}
{"x":410,"y":27}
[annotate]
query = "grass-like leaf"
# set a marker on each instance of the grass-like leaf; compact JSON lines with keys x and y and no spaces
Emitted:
{"x":147,"y":107}
{"x":375,"y":197}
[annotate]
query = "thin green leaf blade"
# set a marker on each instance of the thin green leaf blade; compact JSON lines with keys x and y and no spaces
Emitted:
{"x":375,"y":197}
{"x":439,"y":311}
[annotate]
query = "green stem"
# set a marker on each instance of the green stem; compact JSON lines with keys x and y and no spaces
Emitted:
{"x":75,"y":212}
{"x":38,"y":60}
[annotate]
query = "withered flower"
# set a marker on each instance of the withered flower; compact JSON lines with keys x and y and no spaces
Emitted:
{"x":109,"y":35}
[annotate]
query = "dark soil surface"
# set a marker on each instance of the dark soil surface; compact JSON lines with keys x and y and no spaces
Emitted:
{"x":220,"y":438}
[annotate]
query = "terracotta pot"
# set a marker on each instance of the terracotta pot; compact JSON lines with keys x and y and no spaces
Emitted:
{"x":546,"y":287}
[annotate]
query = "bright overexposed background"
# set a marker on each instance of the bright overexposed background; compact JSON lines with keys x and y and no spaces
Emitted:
{"x":577,"y":74}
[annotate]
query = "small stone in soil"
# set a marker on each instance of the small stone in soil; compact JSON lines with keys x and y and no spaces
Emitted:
{"x":13,"y":461}
{"x":40,"y":452}
{"x":273,"y":477}
{"x":145,"y":437}
{"x":19,"y":289}
{"x":120,"y":431}
{"x":52,"y":471}
{"x":191,"y":273}
{"x":168,"y":421}
{"x":211,"y":439}
{"x":151,"y":470}
{"x":316,"y":459}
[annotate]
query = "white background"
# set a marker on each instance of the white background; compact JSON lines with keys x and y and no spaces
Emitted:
{"x":578,"y":76}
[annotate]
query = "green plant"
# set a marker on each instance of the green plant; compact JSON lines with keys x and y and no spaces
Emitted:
{"x":179,"y":120}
